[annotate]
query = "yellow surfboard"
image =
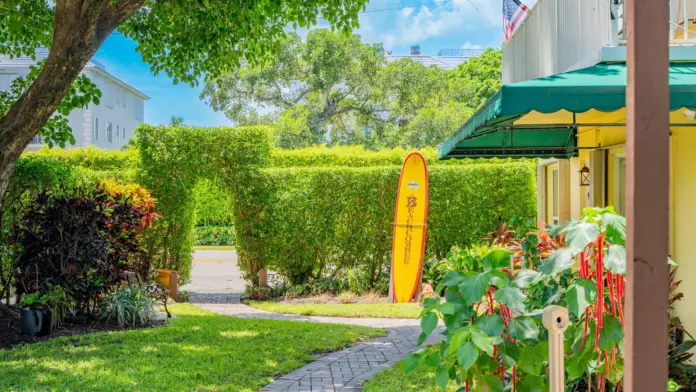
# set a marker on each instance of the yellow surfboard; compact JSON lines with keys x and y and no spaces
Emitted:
{"x":410,"y":219}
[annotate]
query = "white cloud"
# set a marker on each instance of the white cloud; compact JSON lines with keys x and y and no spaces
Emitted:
{"x":469,"y":45}
{"x":420,"y":24}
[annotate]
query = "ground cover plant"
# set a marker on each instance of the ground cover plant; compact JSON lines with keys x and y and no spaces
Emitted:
{"x":379,"y":310}
{"x":198,"y":350}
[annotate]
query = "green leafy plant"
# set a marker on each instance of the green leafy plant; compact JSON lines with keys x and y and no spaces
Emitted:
{"x":61,"y":302}
{"x":83,"y":240}
{"x":492,"y":309}
{"x":34,"y":301}
{"x":682,"y":370}
{"x":128,"y":307}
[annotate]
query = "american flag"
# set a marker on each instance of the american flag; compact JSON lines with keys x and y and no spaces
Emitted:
{"x":513,"y":13}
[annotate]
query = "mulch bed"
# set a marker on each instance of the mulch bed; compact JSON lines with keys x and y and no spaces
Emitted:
{"x":10,"y":333}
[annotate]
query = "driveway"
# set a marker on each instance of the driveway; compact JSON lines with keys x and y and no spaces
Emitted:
{"x":214,"y":275}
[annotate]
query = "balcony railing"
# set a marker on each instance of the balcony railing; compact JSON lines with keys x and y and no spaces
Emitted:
{"x":563,"y":35}
{"x":682,"y":30}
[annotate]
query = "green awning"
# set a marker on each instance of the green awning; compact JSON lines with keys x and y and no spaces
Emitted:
{"x":491,"y":131}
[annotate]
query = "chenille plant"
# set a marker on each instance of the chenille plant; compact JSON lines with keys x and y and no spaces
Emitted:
{"x":494,"y":340}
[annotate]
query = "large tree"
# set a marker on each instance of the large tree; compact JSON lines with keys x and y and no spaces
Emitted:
{"x":307,"y":85}
{"x":334,"y":88}
{"x":185,"y":39}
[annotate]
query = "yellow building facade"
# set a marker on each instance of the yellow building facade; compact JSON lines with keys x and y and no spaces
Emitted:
{"x":602,"y":149}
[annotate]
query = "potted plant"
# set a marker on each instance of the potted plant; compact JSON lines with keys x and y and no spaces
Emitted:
{"x":32,"y":315}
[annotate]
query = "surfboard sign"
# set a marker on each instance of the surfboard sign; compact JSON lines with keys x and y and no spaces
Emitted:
{"x":410,"y":218}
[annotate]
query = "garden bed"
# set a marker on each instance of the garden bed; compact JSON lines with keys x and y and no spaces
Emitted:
{"x":10,"y":334}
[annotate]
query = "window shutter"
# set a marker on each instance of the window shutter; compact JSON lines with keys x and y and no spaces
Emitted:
{"x":598,"y":178}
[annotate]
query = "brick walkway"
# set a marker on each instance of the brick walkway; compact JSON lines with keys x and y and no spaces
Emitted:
{"x":345,"y":370}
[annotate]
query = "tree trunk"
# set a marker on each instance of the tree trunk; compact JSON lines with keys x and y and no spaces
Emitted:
{"x":79,"y":29}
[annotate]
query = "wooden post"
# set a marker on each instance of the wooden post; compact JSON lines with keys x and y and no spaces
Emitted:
{"x":174,"y":285}
{"x":647,"y":196}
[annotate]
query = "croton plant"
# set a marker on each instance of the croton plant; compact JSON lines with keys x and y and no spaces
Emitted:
{"x":494,"y":339}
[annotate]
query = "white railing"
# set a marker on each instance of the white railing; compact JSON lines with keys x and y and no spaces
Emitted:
{"x":681,"y":26}
{"x":563,"y":35}
{"x":36,"y":140}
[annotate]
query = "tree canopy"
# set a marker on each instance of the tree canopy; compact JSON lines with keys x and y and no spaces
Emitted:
{"x":186,"y":40}
{"x":333,"y":88}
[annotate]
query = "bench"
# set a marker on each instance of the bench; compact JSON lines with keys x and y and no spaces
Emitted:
{"x":166,"y":285}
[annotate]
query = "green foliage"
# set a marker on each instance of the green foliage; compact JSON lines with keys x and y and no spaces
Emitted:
{"x":173,"y":161}
{"x":213,"y":204}
{"x":214,"y":235}
{"x":493,"y":331}
{"x":314,"y":83}
{"x":431,"y":126}
{"x":61,"y":302}
{"x":353,"y":228}
{"x":357,"y":156}
{"x":476,"y":80}
{"x":333,"y":88}
{"x":83,"y":240}
{"x":128,"y":307}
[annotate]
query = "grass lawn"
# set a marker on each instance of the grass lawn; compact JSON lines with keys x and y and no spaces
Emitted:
{"x":384,"y":310}
{"x":214,"y":247}
{"x":199,"y":351}
{"x":393,"y":380}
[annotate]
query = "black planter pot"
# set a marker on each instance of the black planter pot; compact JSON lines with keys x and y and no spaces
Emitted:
{"x":30,"y":321}
{"x":48,"y":322}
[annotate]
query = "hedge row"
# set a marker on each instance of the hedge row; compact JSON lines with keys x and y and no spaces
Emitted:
{"x":320,"y":221}
{"x":214,"y":235}
{"x":356,"y":156}
{"x":303,"y":213}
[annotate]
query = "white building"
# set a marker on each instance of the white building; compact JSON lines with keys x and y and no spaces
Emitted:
{"x":110,"y":124}
{"x":446,"y":59}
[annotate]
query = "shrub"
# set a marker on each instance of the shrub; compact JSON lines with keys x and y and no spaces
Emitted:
{"x":214,"y":235}
{"x":128,"y":307}
{"x":493,"y":330}
{"x":356,"y":156}
{"x":83,"y":240}
{"x":315,"y":221}
{"x":173,"y":160}
{"x":61,"y":302}
{"x":213,"y":205}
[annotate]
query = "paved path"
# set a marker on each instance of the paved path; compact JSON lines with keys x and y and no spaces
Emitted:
{"x":217,"y":285}
{"x":215,"y":272}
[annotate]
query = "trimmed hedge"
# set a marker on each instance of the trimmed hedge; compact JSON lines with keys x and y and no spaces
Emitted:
{"x":304,"y":213}
{"x":324,"y":220}
{"x":214,"y":235}
{"x":356,"y":156}
{"x":174,"y":159}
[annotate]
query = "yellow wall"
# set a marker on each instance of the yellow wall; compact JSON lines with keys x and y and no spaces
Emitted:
{"x":683,"y":219}
{"x":683,"y":187}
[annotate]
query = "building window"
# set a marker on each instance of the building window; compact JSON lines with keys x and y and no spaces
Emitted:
{"x":109,"y":132}
{"x":95,"y":131}
{"x":118,"y":134}
{"x":125,"y":137}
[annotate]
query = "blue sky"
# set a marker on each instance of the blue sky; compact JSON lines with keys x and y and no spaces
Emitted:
{"x":432,"y":24}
